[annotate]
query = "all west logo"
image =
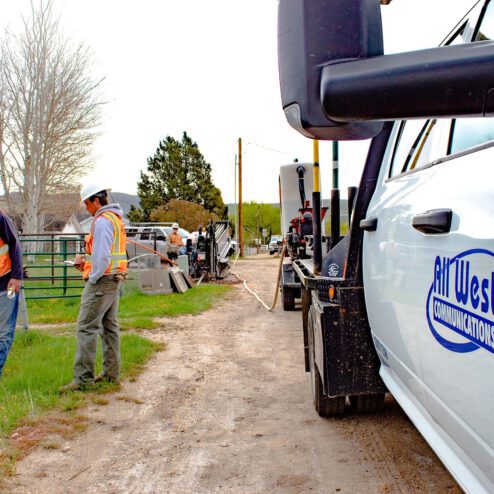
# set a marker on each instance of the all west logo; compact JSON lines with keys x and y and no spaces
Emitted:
{"x":460,"y":304}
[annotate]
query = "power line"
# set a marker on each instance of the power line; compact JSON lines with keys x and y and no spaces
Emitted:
{"x":269,"y":149}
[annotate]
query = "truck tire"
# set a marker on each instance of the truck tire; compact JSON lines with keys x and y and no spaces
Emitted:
{"x":287,"y":298}
{"x":325,"y":406}
{"x":362,"y":404}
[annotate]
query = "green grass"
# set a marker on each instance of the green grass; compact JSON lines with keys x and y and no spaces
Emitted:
{"x":39,"y":364}
{"x":136,"y":310}
{"x":193,"y":301}
{"x":52,"y":311}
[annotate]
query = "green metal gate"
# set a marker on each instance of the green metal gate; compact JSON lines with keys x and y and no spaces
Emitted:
{"x":45,"y":259}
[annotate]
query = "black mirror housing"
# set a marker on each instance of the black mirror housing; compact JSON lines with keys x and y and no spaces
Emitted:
{"x":312,"y":34}
{"x":449,"y":81}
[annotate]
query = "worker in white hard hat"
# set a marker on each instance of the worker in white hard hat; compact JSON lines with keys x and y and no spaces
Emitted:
{"x":104,"y":268}
{"x":176,"y":239}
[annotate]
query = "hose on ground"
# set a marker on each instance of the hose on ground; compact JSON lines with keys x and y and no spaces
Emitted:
{"x":159,"y":254}
{"x":280,"y":267}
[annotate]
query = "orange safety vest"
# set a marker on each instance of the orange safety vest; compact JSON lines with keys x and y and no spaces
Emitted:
{"x":5,"y":262}
{"x":118,"y":258}
{"x":176,"y":238}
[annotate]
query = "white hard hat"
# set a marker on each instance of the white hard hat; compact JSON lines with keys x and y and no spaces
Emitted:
{"x":175,"y":225}
{"x":91,"y":188}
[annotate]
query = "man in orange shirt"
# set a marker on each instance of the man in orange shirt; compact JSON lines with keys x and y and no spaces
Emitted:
{"x":176,"y":239}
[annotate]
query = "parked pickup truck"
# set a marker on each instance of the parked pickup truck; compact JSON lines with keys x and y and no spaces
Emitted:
{"x":142,"y":238}
{"x":405,"y":301}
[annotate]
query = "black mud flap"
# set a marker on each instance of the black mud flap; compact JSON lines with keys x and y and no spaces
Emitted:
{"x":351,"y":364}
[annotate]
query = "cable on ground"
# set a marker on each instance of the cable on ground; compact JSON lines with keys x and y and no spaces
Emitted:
{"x":280,"y":267}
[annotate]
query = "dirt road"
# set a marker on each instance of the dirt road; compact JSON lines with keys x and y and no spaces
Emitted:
{"x":227,"y":408}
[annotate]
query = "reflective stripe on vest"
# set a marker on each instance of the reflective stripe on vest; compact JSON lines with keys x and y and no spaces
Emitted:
{"x":5,"y":262}
{"x":118,"y":256}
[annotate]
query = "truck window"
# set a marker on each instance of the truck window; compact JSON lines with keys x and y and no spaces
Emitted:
{"x":457,"y":38}
{"x":146,"y":234}
{"x":469,"y":132}
{"x":412,"y":145}
{"x":160,"y":235}
{"x":486,"y":29}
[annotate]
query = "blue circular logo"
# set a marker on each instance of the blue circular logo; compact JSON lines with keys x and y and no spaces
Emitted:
{"x":468,"y":346}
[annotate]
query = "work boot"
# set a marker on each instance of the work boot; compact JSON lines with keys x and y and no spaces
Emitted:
{"x":73,"y":387}
{"x":106,"y":379}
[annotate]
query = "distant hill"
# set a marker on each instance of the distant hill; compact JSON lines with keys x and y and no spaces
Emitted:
{"x":125,"y":200}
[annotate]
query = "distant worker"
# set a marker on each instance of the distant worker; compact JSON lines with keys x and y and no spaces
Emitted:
{"x":176,"y":239}
{"x":10,"y":284}
{"x":104,"y":268}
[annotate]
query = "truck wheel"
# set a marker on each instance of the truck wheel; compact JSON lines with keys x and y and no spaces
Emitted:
{"x":327,"y":406}
{"x":367,"y":403}
{"x":288,"y":298}
{"x":324,"y":405}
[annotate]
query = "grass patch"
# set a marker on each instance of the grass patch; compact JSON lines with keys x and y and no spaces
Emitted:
{"x":193,"y":301}
{"x":137,"y":323}
{"x":39,"y":364}
{"x":52,"y":311}
{"x":129,"y":399}
{"x":98,"y":400}
{"x":136,"y":311}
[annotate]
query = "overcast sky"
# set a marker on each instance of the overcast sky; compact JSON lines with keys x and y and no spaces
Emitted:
{"x":209,"y":67}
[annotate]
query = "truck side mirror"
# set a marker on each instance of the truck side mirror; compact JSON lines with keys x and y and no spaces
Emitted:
{"x":315,"y":33}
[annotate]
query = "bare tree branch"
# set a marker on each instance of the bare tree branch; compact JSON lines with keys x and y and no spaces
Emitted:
{"x":49,"y":110}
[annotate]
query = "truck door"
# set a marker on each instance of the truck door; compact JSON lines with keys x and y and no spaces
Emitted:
{"x":429,"y":281}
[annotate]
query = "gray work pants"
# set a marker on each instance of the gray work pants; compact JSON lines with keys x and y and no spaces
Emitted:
{"x":98,"y":315}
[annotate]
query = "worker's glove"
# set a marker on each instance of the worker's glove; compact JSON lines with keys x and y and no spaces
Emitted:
{"x":120,"y":276}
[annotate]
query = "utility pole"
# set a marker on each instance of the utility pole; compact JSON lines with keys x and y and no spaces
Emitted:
{"x":235,"y":200}
{"x":240,"y":219}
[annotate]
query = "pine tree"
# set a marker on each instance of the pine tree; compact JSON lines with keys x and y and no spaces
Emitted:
{"x":178,"y":170}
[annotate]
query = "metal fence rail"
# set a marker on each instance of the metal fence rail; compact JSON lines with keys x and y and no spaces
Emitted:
{"x":45,"y":257}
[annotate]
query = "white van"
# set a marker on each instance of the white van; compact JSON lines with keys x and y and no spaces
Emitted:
{"x":155,"y":237}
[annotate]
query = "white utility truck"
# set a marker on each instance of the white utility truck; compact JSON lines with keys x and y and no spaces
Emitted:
{"x":412,"y":310}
